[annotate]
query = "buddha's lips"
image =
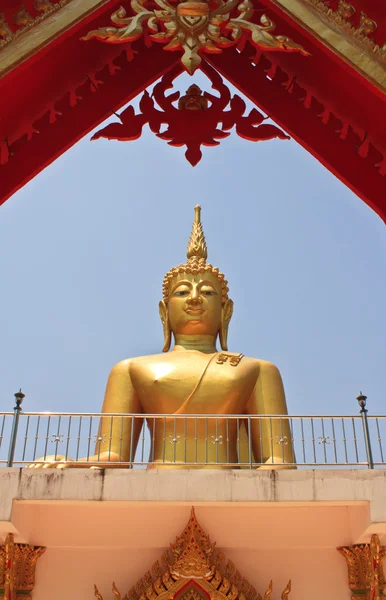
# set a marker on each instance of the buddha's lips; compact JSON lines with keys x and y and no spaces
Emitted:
{"x":194,"y":311}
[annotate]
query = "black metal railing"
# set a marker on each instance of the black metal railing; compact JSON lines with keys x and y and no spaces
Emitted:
{"x":208,"y":440}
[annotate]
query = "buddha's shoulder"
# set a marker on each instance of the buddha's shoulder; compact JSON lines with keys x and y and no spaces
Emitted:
{"x":125,"y":365}
{"x":257,"y":361}
{"x":259,"y":364}
{"x":250,"y":363}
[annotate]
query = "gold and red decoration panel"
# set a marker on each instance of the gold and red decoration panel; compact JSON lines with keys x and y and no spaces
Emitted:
{"x":195,"y":27}
{"x":366,"y":578}
{"x":198,"y":119}
{"x":194,"y":569}
{"x":15,"y":21}
{"x":357,"y":21}
{"x":92,"y":79}
{"x":17,"y":569}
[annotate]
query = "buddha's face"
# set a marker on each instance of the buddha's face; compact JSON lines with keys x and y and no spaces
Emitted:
{"x":195,"y":305}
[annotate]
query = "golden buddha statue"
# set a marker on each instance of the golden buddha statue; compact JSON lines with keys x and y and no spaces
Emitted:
{"x":192,"y":384}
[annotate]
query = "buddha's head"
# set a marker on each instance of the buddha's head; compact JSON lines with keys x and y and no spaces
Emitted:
{"x":195,"y":295}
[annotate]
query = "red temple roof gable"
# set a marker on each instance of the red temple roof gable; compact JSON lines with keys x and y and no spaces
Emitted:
{"x":55,"y":88}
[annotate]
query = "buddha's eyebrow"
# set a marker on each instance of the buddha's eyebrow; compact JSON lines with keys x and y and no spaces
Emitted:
{"x":182,"y":282}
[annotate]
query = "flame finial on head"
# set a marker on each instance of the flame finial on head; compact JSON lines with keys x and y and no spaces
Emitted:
{"x":197,"y":245}
{"x":197,"y":254}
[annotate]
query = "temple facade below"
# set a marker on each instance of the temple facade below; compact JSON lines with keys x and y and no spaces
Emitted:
{"x":102,"y":526}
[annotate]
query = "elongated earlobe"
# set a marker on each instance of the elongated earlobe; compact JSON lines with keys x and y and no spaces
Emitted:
{"x":226,"y":315}
{"x":163,"y":313}
{"x":223,"y":333}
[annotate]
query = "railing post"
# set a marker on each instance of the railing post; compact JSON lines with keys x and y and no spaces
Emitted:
{"x":363,"y":412}
{"x":16,"y":414}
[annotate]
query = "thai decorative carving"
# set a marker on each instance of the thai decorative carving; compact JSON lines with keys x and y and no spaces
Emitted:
{"x":187,"y":127}
{"x":17,"y":569}
{"x":286,"y":591}
{"x":366,"y":25}
{"x":345,"y":10}
{"x":194,"y":27}
{"x":26,"y":21}
{"x":6,"y":32}
{"x":358,"y":34}
{"x":22,"y":17}
{"x":43,"y":6}
{"x":193,"y":569}
{"x":365,"y":569}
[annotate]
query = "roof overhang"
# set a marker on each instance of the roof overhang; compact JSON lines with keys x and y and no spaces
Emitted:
{"x":55,"y":88}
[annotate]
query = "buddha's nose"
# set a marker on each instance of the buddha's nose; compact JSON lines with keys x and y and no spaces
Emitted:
{"x":195,"y":297}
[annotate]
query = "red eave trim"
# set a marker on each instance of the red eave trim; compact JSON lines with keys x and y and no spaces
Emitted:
{"x":91,"y":108}
{"x":287,"y":106}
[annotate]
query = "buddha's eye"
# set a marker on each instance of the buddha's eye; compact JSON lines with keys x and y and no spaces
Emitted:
{"x":208,"y":292}
{"x":181,"y":293}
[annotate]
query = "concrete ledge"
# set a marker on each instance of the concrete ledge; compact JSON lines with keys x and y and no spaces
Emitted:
{"x":196,"y":485}
{"x":193,"y":485}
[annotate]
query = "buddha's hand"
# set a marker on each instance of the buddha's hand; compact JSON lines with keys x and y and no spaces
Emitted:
{"x":59,"y":461}
{"x":275,"y":463}
{"x":53,"y":461}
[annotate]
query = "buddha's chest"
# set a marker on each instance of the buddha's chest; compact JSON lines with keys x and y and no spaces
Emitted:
{"x":193,"y":385}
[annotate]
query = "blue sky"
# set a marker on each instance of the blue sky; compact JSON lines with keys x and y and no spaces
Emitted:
{"x":85,"y":245}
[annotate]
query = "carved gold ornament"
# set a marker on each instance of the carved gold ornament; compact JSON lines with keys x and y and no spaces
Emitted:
{"x":360,"y":34}
{"x":22,"y":17}
{"x":365,"y":569}
{"x":6,"y":33}
{"x":43,"y":6}
{"x":17,"y":569}
{"x":366,"y":25}
{"x":191,"y":26}
{"x":193,"y":569}
{"x":25,"y":21}
{"x":345,"y":9}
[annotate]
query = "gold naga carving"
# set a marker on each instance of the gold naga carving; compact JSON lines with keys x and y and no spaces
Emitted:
{"x":194,"y":27}
{"x":17,"y":569}
{"x":193,"y":569}
{"x":365,"y":569}
{"x":341,"y":19}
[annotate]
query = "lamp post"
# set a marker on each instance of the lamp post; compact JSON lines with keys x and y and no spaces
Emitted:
{"x":363,"y":412}
{"x":16,"y":414}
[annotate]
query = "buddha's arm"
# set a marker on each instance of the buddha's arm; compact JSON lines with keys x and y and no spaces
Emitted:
{"x":119,"y":435}
{"x":271,"y":438}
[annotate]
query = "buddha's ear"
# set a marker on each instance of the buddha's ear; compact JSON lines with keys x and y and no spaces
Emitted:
{"x":226,"y":315}
{"x":163,"y":313}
